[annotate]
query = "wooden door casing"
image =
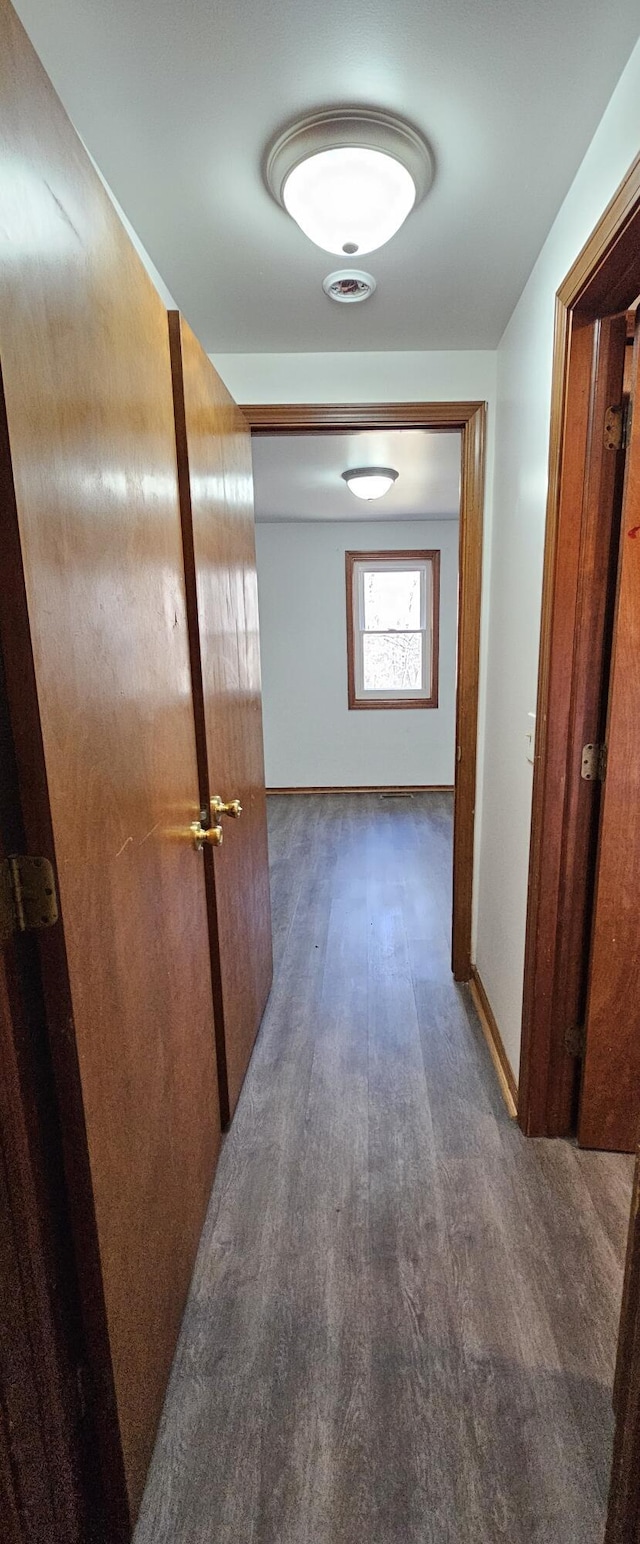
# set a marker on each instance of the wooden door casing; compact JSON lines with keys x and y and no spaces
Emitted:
{"x":609,"y":1114}
{"x":603,"y":282}
{"x":96,"y":644}
{"x":586,"y":583}
{"x":599,"y":540}
{"x":216,"y":490}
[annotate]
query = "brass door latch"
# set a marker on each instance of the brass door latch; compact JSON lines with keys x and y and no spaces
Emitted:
{"x":206,"y":836}
{"x":218,"y":807}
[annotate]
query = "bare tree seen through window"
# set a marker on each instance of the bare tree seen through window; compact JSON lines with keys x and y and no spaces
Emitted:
{"x":392,"y":641}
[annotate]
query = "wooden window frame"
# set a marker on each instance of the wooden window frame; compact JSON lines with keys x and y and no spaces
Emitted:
{"x":352,"y":562}
{"x":468,"y":419}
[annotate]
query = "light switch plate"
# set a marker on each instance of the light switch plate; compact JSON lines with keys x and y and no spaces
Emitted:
{"x":531,"y":737}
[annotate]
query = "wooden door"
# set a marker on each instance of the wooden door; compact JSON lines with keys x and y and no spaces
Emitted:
{"x":610,"y":1094}
{"x":216,"y":490}
{"x":94,"y":631}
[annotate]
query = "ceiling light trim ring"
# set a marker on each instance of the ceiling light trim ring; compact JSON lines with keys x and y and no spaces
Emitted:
{"x":335,"y":128}
{"x":349,"y":286}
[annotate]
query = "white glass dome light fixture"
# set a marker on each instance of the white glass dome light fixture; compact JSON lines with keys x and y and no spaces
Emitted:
{"x":363,"y":195}
{"x":370,"y":482}
{"x":349,"y":177}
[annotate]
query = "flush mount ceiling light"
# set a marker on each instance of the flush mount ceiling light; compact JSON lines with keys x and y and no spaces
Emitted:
{"x":370,"y":482}
{"x":349,"y":177}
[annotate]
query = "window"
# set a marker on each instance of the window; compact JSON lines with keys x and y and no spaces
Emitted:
{"x":392,"y":629}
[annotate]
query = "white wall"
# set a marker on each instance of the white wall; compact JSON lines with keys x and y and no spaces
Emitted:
{"x":147,"y":262}
{"x":312,"y":740}
{"x":454,"y":376}
{"x":522,"y":441}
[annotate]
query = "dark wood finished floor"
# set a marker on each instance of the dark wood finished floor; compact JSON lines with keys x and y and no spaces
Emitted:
{"x":403,"y":1318}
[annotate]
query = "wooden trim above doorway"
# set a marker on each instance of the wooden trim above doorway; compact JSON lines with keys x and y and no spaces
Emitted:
{"x":591,"y":282}
{"x":469,"y":419}
{"x":604,"y":280}
{"x":344,"y":417}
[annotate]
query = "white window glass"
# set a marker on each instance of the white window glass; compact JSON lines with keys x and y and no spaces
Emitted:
{"x":392,"y":662}
{"x":392,"y":601}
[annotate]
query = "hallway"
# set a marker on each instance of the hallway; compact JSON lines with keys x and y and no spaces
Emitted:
{"x":403,"y":1319}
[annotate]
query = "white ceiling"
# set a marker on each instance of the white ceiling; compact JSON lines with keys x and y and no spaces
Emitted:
{"x":176,"y":102}
{"x":298,"y":476}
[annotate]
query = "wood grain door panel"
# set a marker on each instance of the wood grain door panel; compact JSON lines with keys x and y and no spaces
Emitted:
{"x":216,"y":487}
{"x":95,"y":532}
{"x":610,"y":1094}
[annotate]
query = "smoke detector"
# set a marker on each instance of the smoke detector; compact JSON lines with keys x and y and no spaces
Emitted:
{"x":349,"y":285}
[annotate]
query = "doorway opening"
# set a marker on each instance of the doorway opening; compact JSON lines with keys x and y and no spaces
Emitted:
{"x":580,"y":1066}
{"x":466,"y":419}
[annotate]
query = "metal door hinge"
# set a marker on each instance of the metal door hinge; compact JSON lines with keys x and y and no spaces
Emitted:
{"x":27,"y":895}
{"x":593,"y":767}
{"x":575,"y":1040}
{"x":616,"y":425}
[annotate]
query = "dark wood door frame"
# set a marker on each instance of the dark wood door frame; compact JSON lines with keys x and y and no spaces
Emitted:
{"x":469,"y":419}
{"x":604,"y":280}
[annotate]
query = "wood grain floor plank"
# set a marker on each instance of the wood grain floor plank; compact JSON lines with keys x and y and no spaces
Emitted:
{"x":402,"y":1322}
{"x":417,"y":1387}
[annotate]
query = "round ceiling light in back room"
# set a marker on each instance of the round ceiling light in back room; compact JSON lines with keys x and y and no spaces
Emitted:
{"x":370,"y":482}
{"x":349,"y":176}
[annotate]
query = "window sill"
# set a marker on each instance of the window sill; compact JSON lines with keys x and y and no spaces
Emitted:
{"x":392,"y":702}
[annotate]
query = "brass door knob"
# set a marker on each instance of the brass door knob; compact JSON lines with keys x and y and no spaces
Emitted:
{"x":233,"y":809}
{"x":211,"y":836}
